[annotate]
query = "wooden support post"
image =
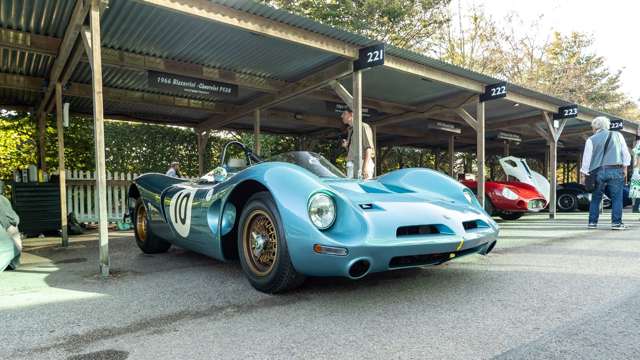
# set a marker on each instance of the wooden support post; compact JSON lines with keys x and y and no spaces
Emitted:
{"x":553,"y":177}
{"x":578,"y":166}
{"x":545,"y":170}
{"x":61,"y":167}
{"x":480,"y":154}
{"x":357,"y":123}
{"x":202,"y":139}
{"x":93,"y":49}
{"x":506,"y":148}
{"x":436,"y":159}
{"x":452,"y":155}
{"x":256,"y":133}
{"x":42,"y":140}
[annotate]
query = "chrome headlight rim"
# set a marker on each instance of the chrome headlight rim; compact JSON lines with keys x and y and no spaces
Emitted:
{"x":311,"y":212}
{"x":509,"y":194}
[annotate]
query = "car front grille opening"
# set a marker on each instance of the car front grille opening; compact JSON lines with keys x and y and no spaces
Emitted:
{"x":470,"y":225}
{"x":429,"y":259}
{"x":417,"y":230}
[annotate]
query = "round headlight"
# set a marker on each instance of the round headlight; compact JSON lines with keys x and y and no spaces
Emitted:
{"x":322,"y":211}
{"x":509,"y":194}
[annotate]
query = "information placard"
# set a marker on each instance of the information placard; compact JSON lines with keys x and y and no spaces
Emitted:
{"x":566,"y":112}
{"x":190,"y":86}
{"x":369,"y":57}
{"x":616,"y":125}
{"x":494,"y":91}
{"x":339,"y":108}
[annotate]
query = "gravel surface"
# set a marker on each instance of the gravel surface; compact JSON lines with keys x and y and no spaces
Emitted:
{"x":550,"y":290}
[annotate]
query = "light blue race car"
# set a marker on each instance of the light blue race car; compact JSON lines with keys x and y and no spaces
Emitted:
{"x":296,"y":215}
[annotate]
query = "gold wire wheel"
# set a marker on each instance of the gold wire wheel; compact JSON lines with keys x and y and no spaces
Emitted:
{"x":141,"y":223}
{"x":260,"y":242}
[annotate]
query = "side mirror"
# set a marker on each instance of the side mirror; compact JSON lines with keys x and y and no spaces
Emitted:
{"x":219,"y":174}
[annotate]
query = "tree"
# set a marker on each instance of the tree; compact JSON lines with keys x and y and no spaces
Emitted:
{"x":409,"y":24}
{"x":561,"y":65}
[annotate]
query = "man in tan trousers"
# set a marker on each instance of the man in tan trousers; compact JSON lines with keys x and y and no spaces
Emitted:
{"x":368,"y":151}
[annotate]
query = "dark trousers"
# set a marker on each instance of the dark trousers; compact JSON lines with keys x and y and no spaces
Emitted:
{"x":636,"y":205}
{"x":613,"y":179}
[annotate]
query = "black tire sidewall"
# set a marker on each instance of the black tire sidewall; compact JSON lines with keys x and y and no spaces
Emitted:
{"x":575,"y":202}
{"x":511,"y":216}
{"x":263,"y":201}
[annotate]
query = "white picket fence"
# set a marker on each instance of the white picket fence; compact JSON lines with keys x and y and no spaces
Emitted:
{"x":82,"y":197}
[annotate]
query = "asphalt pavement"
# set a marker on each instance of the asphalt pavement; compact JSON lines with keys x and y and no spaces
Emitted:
{"x":550,"y":290}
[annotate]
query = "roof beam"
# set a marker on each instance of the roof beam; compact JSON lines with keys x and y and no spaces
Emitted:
{"x":312,"y":82}
{"x":78,"y":16}
{"x":432,"y":107}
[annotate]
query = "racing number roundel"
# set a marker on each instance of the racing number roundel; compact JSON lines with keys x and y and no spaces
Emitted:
{"x":180,"y":211}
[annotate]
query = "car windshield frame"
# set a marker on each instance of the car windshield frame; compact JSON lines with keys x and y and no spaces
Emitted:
{"x":312,"y":162}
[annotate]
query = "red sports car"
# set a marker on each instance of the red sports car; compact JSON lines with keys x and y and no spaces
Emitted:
{"x":511,"y":199}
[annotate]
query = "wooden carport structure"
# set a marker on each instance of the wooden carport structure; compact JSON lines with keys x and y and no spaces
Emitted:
{"x":262,"y":69}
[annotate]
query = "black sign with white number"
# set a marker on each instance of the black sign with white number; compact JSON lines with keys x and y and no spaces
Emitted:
{"x":566,"y":112}
{"x":340,"y":108}
{"x":616,"y":125}
{"x":495,"y":91}
{"x":190,"y":86}
{"x":369,"y":57}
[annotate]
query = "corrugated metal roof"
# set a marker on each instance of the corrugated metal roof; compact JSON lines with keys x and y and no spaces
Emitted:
{"x":21,"y":62}
{"x":134,"y":27}
{"x":153,"y":31}
{"x":44,"y":17}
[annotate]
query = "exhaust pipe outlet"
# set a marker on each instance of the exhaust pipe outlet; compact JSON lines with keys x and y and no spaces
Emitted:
{"x":359,"y":268}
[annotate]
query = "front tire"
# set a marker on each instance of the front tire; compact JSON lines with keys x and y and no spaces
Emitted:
{"x":567,"y":202}
{"x":511,"y":215}
{"x":262,"y":247}
{"x":146,"y":240}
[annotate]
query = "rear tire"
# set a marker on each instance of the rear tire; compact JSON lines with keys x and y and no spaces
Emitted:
{"x":146,"y":240}
{"x":262,"y":247}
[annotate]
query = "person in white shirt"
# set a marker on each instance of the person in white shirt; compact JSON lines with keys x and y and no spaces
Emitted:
{"x":606,"y":156}
{"x":174,"y":170}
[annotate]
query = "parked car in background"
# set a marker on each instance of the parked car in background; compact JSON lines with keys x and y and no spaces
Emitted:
{"x":574,"y":196}
{"x":512,"y":199}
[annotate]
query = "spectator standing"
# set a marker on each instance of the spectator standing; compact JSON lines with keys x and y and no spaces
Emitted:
{"x":368,"y":151}
{"x":634,"y":187}
{"x":606,"y":157}
{"x":174,"y":170}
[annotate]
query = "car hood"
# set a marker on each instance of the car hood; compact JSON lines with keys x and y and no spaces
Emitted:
{"x":518,"y":168}
{"x":368,"y":191}
{"x":387,"y":205}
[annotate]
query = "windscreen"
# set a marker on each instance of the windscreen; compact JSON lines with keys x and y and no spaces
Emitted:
{"x":313,"y":162}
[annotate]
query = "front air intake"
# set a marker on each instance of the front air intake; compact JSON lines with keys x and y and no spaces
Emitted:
{"x":417,"y":230}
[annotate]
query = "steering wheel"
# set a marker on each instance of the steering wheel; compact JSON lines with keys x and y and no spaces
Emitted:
{"x":248,"y":153}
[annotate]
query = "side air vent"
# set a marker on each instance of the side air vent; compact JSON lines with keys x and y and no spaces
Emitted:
{"x":474,"y":224}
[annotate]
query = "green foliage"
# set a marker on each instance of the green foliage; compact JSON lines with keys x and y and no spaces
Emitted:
{"x":17,"y":143}
{"x":408,"y":24}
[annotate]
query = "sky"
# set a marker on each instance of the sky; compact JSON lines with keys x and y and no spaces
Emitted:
{"x":615,"y":25}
